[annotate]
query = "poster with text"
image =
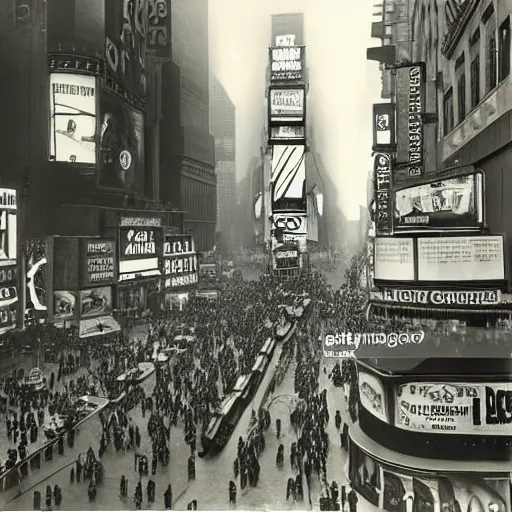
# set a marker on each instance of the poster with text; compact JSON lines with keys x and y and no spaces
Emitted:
{"x":394,"y":259}
{"x":121,"y":146}
{"x":286,"y":105}
{"x":72,"y":118}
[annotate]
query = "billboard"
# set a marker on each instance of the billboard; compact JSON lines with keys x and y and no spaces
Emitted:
{"x":178,"y":244}
{"x":64,"y":305}
{"x":444,"y":298}
{"x":410,"y":104}
{"x":455,"y":408}
{"x":383,"y":126}
{"x":95,"y":302}
{"x":372,"y":395}
{"x":126,"y":28}
{"x":383,"y":202}
{"x":121,"y":149}
{"x":286,"y":105}
{"x":138,"y":253}
{"x":461,"y":258}
{"x":8,"y":227}
{"x":394,"y":259}
{"x":287,"y":134}
{"x":290,"y":224}
{"x":288,"y":178}
{"x":8,"y":298}
{"x":98,"y":262}
{"x":450,"y":204}
{"x":159,"y":27}
{"x":180,"y":265}
{"x":72,"y":118}
{"x":287,"y":63}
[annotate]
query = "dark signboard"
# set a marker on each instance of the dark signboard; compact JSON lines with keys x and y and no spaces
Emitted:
{"x":382,"y":186}
{"x":159,"y":27}
{"x":8,"y":275}
{"x":121,"y":146}
{"x":178,"y":244}
{"x":448,"y":204}
{"x":126,"y":24}
{"x":98,"y":262}
{"x":287,"y":63}
{"x":383,"y":126}
{"x":136,"y":243}
{"x":410,"y":104}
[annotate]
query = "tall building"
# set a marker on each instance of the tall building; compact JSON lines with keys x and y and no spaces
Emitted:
{"x":187,"y":178}
{"x":223,"y":130}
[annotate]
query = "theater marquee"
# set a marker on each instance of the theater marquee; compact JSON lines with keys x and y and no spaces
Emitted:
{"x":443,"y":297}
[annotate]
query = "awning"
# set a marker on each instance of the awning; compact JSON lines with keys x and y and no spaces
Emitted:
{"x":98,"y":326}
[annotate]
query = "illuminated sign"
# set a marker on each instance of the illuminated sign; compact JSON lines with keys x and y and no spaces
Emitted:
{"x":293,"y":224}
{"x":287,"y":63}
{"x":287,"y":254}
{"x":180,"y":265}
{"x":286,"y":105}
{"x":72,"y":118}
{"x":383,"y":203}
{"x":158,"y":25}
{"x":383,"y":126}
{"x":449,"y":204}
{"x":150,"y":222}
{"x":443,"y":297}
{"x":99,"y":262}
{"x":455,"y":408}
{"x":176,"y":281}
{"x":178,"y":244}
{"x":137,"y":242}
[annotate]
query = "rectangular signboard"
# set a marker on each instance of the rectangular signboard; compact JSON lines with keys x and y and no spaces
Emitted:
{"x":455,"y":408}
{"x":288,"y":178}
{"x":183,"y":280}
{"x":444,"y":298}
{"x":136,"y":243}
{"x":290,"y":224}
{"x":72,"y":118}
{"x":95,"y":302}
{"x":394,"y":259}
{"x":287,"y":63}
{"x":287,"y":134}
{"x":180,"y":265}
{"x":178,"y":244}
{"x":64,"y":305}
{"x":99,"y":261}
{"x":8,"y":227}
{"x":372,"y":395}
{"x":448,"y":204}
{"x":383,"y":178}
{"x":286,"y":105}
{"x":383,"y":126}
{"x":462,"y":258}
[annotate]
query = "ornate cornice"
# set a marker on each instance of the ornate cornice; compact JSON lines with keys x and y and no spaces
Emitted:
{"x":198,"y":169}
{"x":457,"y":28}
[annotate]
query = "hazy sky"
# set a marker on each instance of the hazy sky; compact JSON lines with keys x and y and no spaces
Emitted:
{"x":343,"y":85}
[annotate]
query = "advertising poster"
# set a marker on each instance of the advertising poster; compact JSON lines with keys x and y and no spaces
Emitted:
{"x":35,"y":251}
{"x":283,"y":260}
{"x":8,"y":298}
{"x":287,"y":134}
{"x":8,"y":227}
{"x":64,"y":305}
{"x":121,"y":146}
{"x":287,"y":63}
{"x":372,"y":396}
{"x":455,"y":203}
{"x":383,"y":202}
{"x":394,"y":259}
{"x":291,"y":224}
{"x":410,"y":104}
{"x":462,"y":258}
{"x":177,"y":281}
{"x":180,"y":265}
{"x":99,"y":262}
{"x":72,"y":118}
{"x":383,"y":126}
{"x":95,"y":302}
{"x":137,"y":243}
{"x":98,"y":326}
{"x":286,"y":105}
{"x":126,"y":30}
{"x":455,"y":408}
{"x":288,"y":178}
{"x":207,"y":271}
{"x":159,"y":27}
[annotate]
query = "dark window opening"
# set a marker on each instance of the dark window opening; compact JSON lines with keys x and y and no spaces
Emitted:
{"x":461,"y":96}
{"x":504,"y":53}
{"x":475,"y":37}
{"x":488,"y":13}
{"x":475,"y":81}
{"x":491,"y":62}
{"x":448,"y":120}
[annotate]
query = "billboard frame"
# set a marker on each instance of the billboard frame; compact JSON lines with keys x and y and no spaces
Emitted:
{"x":271,"y":123}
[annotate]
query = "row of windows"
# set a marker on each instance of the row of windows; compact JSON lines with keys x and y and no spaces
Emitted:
{"x":496,"y":61}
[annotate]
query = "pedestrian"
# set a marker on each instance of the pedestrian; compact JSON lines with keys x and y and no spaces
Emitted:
{"x":37,"y":500}
{"x":337,"y":419}
{"x":168,"y":498}
{"x":232,"y":493}
{"x":48,"y":497}
{"x":278,"y":428}
{"x":352,"y":500}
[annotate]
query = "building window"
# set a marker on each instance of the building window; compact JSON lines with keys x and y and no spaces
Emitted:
{"x":448,"y":121}
{"x":491,"y":62}
{"x":504,"y":53}
{"x":475,"y":81}
{"x":461,"y":96}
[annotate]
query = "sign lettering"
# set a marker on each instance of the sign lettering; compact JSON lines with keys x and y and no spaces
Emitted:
{"x":286,"y":63}
{"x":8,"y":293}
{"x":443,"y":297}
{"x":383,"y":177}
{"x":140,"y":222}
{"x":181,"y":265}
{"x":7,"y":199}
{"x":175,"y":281}
{"x":157,"y":26}
{"x":139,"y":243}
{"x":178,"y":244}
{"x":8,"y":275}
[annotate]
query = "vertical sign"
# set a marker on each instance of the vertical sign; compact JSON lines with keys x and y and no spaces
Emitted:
{"x":383,"y":126}
{"x":410,"y":103}
{"x":383,"y":207}
{"x":159,"y":37}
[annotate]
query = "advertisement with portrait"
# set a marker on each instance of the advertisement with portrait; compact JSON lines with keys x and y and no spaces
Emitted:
{"x":73,"y":118}
{"x":372,"y":395}
{"x":383,"y":180}
{"x":95,"y":301}
{"x":455,"y":408}
{"x":121,"y":149}
{"x":287,"y":135}
{"x":8,"y":227}
{"x":394,"y":259}
{"x":389,"y":487}
{"x":99,"y":262}
{"x":126,"y":29}
{"x":286,"y":105}
{"x":410,"y":105}
{"x":159,"y":28}
{"x":64,"y":305}
{"x":36,"y":265}
{"x":450,"y":204}
{"x":138,"y":252}
{"x":287,"y":63}
{"x":383,"y":126}
{"x":288,"y":178}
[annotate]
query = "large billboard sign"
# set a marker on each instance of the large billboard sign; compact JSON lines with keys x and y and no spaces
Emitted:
{"x":121,"y":146}
{"x":126,"y":28}
{"x":286,"y":105}
{"x":394,"y":259}
{"x":287,"y":63}
{"x":455,"y":408}
{"x":410,"y":103}
{"x":180,"y":265}
{"x":442,"y":298}
{"x":287,"y":135}
{"x":178,"y":244}
{"x":290,"y":224}
{"x":72,"y":118}
{"x":288,"y":178}
{"x":138,"y":253}
{"x":449,"y":204}
{"x":383,"y":200}
{"x":99,"y":262}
